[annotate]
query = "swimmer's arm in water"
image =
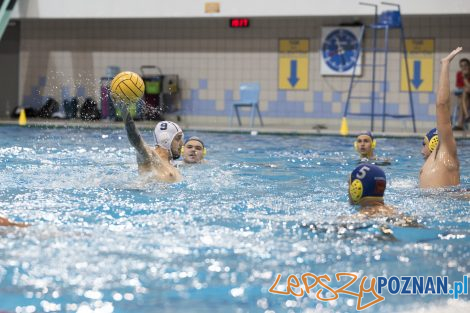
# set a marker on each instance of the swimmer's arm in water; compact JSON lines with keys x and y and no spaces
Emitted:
{"x":133,"y":135}
{"x":5,"y":222}
{"x":443,"y":107}
{"x":379,"y":210}
{"x":389,"y":212}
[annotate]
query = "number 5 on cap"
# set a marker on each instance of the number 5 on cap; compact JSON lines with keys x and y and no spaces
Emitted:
{"x":362,"y":172}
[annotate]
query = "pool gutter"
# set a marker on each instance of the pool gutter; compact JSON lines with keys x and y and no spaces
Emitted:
{"x":56,"y":123}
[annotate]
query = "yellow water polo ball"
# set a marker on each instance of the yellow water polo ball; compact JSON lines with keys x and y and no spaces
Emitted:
{"x":127,"y":87}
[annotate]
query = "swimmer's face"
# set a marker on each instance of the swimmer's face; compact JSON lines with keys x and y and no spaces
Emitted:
{"x":364,"y":145}
{"x":464,"y":67}
{"x":425,"y":150}
{"x":193,"y":152}
{"x":176,"y":145}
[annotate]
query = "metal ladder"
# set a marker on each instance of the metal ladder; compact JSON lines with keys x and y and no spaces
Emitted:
{"x":389,"y":20}
{"x":6,"y":6}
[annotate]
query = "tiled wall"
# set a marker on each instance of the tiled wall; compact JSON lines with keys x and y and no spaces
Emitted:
{"x":61,"y":58}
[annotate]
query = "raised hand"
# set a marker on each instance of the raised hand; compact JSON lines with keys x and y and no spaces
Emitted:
{"x":452,"y":54}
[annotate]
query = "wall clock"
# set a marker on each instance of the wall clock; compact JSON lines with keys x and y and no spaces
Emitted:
{"x":340,"y":50}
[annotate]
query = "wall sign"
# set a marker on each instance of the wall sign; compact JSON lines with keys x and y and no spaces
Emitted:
{"x":293,"y":64}
{"x":420,"y":65}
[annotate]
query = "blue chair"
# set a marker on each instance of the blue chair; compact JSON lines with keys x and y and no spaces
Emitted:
{"x":249,"y":98}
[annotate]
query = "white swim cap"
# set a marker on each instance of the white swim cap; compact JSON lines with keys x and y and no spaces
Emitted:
{"x":164,"y":133}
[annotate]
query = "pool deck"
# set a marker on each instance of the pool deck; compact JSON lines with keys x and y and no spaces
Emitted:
{"x":268,"y":130}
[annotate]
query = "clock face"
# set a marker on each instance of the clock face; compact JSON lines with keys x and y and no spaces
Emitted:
{"x":340,"y":50}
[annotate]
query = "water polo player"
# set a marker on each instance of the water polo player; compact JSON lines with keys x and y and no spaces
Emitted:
{"x":367,"y":185}
{"x":156,"y":161}
{"x":430,"y":143}
{"x":365,"y":144}
{"x":441,"y":167}
{"x":193,"y":151}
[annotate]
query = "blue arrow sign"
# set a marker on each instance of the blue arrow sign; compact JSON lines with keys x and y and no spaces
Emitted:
{"x":293,"y":79}
{"x":417,"y":81}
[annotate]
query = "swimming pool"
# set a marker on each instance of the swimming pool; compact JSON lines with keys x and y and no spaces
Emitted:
{"x":104,"y":240}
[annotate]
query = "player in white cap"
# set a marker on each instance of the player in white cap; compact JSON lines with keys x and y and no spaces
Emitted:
{"x":156,"y":160}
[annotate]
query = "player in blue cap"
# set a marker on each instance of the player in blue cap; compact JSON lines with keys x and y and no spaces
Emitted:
{"x":367,"y":185}
{"x":430,"y":142}
{"x":365,"y":144}
{"x":441,"y":167}
{"x":193,"y":151}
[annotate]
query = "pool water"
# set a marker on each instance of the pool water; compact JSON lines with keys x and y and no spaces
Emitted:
{"x":104,"y":239}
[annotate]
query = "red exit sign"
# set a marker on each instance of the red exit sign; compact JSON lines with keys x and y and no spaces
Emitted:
{"x":239,"y":22}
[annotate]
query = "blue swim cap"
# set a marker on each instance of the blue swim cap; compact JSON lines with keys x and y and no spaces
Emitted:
{"x":432,"y":139}
{"x":204,"y":150}
{"x":369,"y":134}
{"x":367,"y":181}
{"x":196,"y":139}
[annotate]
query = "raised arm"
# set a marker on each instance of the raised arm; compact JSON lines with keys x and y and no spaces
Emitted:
{"x":133,"y":133}
{"x":443,"y":107}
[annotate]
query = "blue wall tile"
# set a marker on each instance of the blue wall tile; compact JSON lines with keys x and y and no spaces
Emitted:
{"x":283,"y":108}
{"x":322,"y":108}
{"x":203,"y":84}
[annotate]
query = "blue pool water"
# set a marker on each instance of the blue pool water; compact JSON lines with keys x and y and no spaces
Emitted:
{"x":105,"y":240}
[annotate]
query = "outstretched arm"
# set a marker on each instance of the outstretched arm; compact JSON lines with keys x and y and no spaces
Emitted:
{"x":444,"y":126}
{"x":133,"y":133}
{"x":6,"y":222}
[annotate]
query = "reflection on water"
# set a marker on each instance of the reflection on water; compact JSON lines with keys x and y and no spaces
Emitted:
{"x":105,"y":240}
